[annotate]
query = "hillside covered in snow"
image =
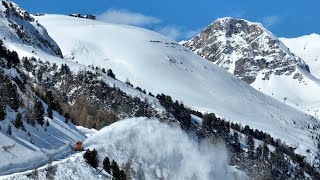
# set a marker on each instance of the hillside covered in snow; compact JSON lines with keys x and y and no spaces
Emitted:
{"x":61,"y":71}
{"x":307,"y":47}
{"x":159,"y":65}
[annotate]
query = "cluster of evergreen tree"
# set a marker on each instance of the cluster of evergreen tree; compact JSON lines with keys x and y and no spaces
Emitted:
{"x":177,"y":109}
{"x":268,"y":164}
{"x":11,"y":57}
{"x":113,"y":169}
{"x":9,"y":92}
{"x":113,"y":103}
{"x":111,"y":74}
{"x":92,"y":158}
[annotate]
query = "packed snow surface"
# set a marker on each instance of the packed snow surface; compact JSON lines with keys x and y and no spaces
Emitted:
{"x":160,"y":65}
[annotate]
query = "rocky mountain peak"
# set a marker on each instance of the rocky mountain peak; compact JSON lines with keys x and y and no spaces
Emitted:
{"x":245,"y":49}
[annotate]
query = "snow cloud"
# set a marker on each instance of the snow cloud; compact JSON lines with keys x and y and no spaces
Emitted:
{"x":177,"y":32}
{"x":161,"y":150}
{"x":269,"y":21}
{"x":122,"y":16}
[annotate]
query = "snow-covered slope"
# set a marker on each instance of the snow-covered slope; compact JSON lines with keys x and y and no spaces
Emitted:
{"x":308,"y":48}
{"x":71,"y":168}
{"x":160,"y":65}
{"x":18,"y":27}
{"x":255,"y":55}
{"x":32,"y":148}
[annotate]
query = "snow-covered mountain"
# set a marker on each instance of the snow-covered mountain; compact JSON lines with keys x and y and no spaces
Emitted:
{"x":307,"y":47}
{"x":245,"y":49}
{"x":160,"y":65}
{"x":156,"y":64}
{"x":255,"y":55}
{"x":18,"y":27}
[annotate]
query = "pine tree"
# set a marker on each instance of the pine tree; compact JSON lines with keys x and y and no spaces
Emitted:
{"x":52,"y":103}
{"x":208,"y":121}
{"x":265,"y":151}
{"x":14,"y":58}
{"x":14,"y":98}
{"x":92,"y":158}
{"x":3,"y":113}
{"x":250,"y":144}
{"x":122,"y":175}
{"x":65,"y":69}
{"x":39,"y":112}
{"x":237,"y":147}
{"x":49,"y":112}
{"x":259,"y":152}
{"x":110,"y":73}
{"x":115,"y":170}
{"x":9,"y":130}
{"x":18,"y":123}
{"x":106,"y":165}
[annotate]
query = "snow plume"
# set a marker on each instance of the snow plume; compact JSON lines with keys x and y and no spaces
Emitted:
{"x":127,"y":17}
{"x":160,"y":150}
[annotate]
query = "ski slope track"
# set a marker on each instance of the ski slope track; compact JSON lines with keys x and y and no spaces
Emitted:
{"x":160,"y":65}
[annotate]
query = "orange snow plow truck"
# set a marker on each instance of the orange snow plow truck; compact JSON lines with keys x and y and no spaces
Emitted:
{"x":79,"y":146}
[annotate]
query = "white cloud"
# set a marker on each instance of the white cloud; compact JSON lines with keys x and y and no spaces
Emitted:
{"x":269,"y":21}
{"x":123,"y":16}
{"x":177,"y":32}
{"x":170,"y":31}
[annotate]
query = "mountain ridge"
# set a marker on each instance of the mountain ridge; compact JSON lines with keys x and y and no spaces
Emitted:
{"x":255,"y":55}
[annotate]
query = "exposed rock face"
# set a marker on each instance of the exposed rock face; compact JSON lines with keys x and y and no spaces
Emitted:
{"x":245,"y":49}
{"x":17,"y":25}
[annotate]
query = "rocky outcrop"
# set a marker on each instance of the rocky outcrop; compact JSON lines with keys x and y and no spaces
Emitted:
{"x":245,"y":49}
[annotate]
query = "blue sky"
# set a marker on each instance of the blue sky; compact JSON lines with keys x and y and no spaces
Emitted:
{"x":182,"y":19}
